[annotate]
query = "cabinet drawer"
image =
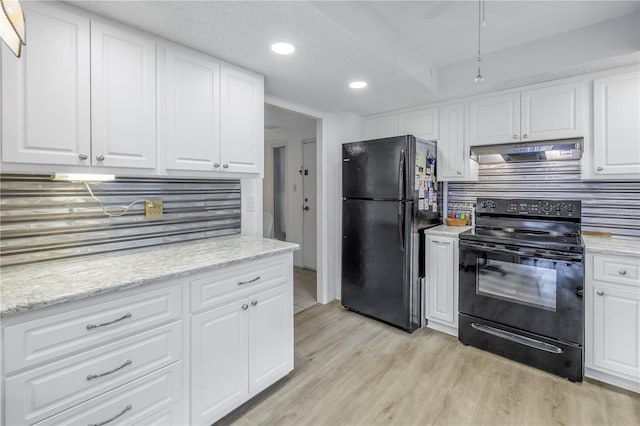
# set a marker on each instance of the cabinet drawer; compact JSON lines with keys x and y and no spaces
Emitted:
{"x":218,"y":287}
{"x":617,"y":269}
{"x":52,"y":388}
{"x":50,"y":337}
{"x":138,"y":402}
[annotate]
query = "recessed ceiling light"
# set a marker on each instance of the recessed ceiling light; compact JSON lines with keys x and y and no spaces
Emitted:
{"x":358,"y":84}
{"x":282,"y":48}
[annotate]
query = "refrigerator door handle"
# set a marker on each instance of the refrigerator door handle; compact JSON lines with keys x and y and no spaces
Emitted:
{"x":401,"y":177}
{"x":401,"y":224}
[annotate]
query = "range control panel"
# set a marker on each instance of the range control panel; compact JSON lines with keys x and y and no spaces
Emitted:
{"x":544,"y":208}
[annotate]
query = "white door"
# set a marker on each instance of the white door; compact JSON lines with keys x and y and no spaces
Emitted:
{"x":270,"y":337}
{"x":452,"y":157}
{"x":46,"y":93}
{"x":123,"y":98}
{"x":309,"y":206}
{"x":616,"y":133}
{"x":552,"y":112}
{"x":494,"y":120}
{"x":219,"y":360}
{"x":440,"y":280}
{"x":616,"y":329}
{"x":242,"y":121}
{"x":191,"y":110}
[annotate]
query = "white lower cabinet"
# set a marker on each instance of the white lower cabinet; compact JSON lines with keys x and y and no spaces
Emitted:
{"x":239,"y":349}
{"x":141,"y":356}
{"x":613,"y":319}
{"x":442,"y":283}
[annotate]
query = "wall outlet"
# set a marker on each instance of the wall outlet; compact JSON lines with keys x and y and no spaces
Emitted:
{"x":153,"y":209}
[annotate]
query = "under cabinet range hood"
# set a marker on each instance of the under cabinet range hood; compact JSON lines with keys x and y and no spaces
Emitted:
{"x":552,"y":150}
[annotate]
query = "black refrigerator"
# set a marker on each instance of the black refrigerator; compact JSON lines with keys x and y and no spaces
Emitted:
{"x":389,"y":194}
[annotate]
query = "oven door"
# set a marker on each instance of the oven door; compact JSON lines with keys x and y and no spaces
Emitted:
{"x":538,"y":292}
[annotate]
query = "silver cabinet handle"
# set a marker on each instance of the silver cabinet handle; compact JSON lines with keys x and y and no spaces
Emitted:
{"x":100,"y":157}
{"x":245,"y":307}
{"x":441,"y":242}
{"x":459,"y":172}
{"x":254,"y":302}
{"x":599,"y":168}
{"x":83,"y":156}
{"x":216,"y":165}
{"x":600,"y":293}
{"x":524,"y":136}
{"x":225,"y":166}
{"x":515,"y":136}
{"x":250,"y":281}
{"x":124,"y":317}
{"x":97,"y":376}
{"x":127,"y":408}
{"x":622,"y":272}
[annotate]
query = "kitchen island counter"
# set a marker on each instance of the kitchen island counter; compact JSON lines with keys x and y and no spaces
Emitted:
{"x":34,"y":286}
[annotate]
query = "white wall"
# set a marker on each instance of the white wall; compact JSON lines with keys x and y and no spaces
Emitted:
{"x":294,"y":128}
{"x":337,"y":129}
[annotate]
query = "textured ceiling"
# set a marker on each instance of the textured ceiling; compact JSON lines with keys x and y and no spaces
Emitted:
{"x":410,"y":53}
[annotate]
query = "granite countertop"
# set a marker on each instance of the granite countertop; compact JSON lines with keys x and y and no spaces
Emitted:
{"x":39,"y":285}
{"x":446,"y":230}
{"x":611,"y":245}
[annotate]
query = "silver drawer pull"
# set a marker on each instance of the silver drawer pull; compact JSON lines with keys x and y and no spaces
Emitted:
{"x":250,"y":281}
{"x":516,"y":338}
{"x":96,"y":376}
{"x":127,"y":408}
{"x":600,"y":293}
{"x":124,"y":317}
{"x":622,"y":272}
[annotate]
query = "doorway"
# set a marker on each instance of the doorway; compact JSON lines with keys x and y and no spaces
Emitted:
{"x":290,"y":194}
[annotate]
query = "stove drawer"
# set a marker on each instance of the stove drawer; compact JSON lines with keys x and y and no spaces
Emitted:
{"x":617,"y":269}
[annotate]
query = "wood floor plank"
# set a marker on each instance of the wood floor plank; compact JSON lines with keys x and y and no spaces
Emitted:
{"x":351,"y":370}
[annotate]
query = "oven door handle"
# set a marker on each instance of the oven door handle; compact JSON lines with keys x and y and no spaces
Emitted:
{"x":521,"y":253}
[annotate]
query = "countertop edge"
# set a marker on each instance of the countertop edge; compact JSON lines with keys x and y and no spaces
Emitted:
{"x":69,"y":298}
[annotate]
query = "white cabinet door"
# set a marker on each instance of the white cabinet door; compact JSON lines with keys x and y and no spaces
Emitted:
{"x":440,"y":280}
{"x":616,"y":133}
{"x":270,"y":337}
{"x":242,"y":121}
{"x":616,"y":329}
{"x":495,"y":119}
{"x":219,"y":357}
{"x":45,"y":94}
{"x":453,"y":158}
{"x":190,"y":110}
{"x":421,"y":124}
{"x":552,"y":112}
{"x":381,"y":127}
{"x":123,"y":98}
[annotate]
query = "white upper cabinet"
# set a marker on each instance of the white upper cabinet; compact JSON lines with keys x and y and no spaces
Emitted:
{"x":123,"y":98}
{"x":242,"y":121}
{"x":453,"y":157}
{"x":45,"y":94}
{"x":554,"y":112}
{"x":495,"y":119}
{"x":421,"y":124}
{"x":616,"y":132}
{"x":190,"y":110}
{"x":381,"y":127}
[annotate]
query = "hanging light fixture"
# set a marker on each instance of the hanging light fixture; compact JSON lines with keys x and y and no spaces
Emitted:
{"x":479,"y":78}
{"x":12,"y":30}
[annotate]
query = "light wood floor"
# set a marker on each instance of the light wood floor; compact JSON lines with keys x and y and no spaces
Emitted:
{"x":350,"y":370}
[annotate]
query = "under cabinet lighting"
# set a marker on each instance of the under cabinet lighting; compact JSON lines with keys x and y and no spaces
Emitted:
{"x":82,"y":177}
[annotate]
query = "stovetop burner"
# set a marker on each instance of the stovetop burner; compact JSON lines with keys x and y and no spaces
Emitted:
{"x":543,"y":224}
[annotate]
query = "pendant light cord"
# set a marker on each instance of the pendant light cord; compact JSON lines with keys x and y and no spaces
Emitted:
{"x":480,"y":7}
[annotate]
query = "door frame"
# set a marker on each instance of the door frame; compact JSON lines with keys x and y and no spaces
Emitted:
{"x":322,"y":255}
{"x":304,"y":142}
{"x":273,"y":144}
